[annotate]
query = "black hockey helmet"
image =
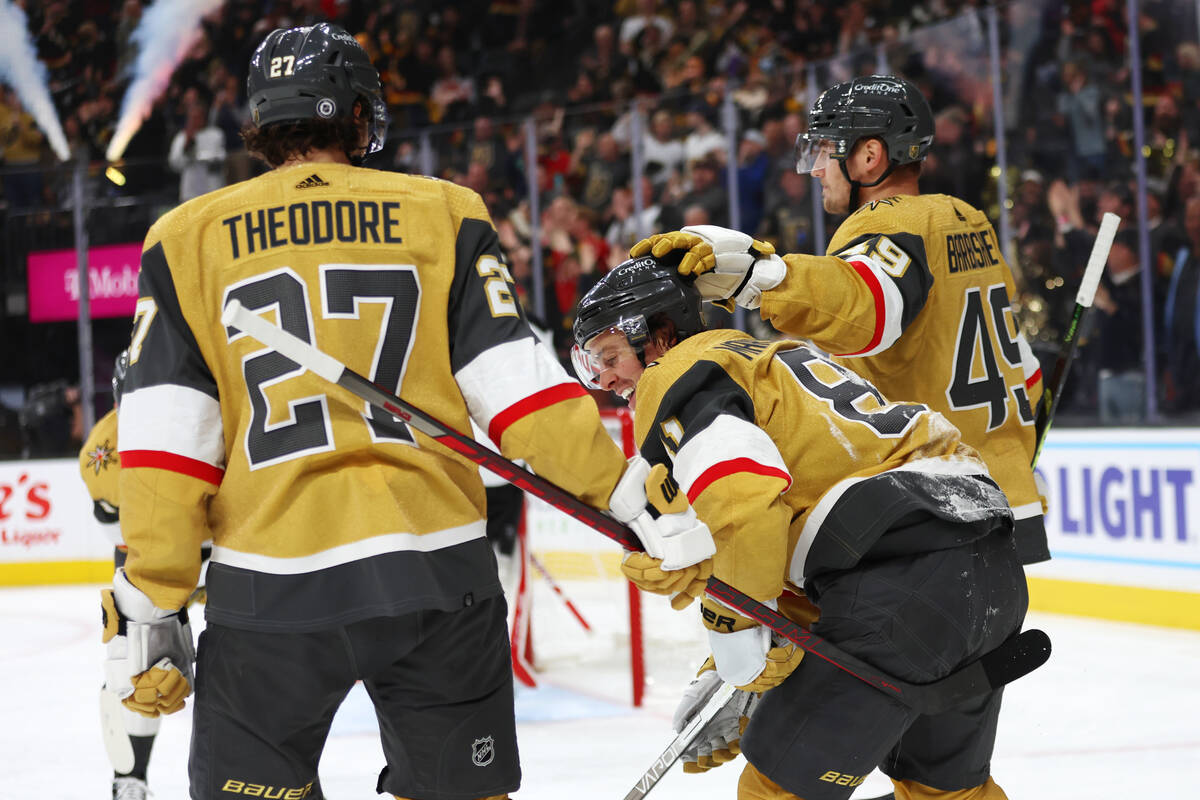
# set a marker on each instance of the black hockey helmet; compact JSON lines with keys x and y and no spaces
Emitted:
{"x":627,"y":300}
{"x":120,"y":369}
{"x":886,"y":107}
{"x":315,"y":72}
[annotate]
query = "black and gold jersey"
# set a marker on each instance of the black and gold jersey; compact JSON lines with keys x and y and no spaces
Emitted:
{"x":767,"y":437}
{"x":914,"y":296}
{"x":100,"y":466}
{"x":323,"y":510}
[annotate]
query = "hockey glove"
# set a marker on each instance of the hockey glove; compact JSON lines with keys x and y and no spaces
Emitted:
{"x":720,"y":740}
{"x":743,"y":651}
{"x":158,"y":659}
{"x":729,"y":266}
{"x":650,"y":502}
{"x":684,"y":585}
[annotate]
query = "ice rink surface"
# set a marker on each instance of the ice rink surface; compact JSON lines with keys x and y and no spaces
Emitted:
{"x":1115,"y":714}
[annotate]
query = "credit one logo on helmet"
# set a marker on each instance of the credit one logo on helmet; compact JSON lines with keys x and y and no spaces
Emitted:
{"x":880,"y":87}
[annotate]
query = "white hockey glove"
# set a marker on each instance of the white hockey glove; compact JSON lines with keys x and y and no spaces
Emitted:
{"x":156,"y":673}
{"x":743,"y":650}
{"x":729,"y":266}
{"x":650,"y":502}
{"x":720,"y":740}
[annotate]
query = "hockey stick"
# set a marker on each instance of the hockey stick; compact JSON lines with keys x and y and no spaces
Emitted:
{"x":540,"y":567}
{"x":1066,"y":354}
{"x":680,"y":743}
{"x":1016,"y":657}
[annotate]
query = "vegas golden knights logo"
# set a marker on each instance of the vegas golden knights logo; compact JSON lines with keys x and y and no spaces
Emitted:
{"x":483,"y":751}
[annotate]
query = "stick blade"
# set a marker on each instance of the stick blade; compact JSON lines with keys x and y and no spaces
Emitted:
{"x":1017,"y":657}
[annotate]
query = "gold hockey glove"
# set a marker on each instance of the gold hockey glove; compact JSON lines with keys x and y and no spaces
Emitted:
{"x":729,"y":266}
{"x":684,"y":585}
{"x":150,"y":653}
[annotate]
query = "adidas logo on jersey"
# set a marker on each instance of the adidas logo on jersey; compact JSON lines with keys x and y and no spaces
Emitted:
{"x":311,"y":181}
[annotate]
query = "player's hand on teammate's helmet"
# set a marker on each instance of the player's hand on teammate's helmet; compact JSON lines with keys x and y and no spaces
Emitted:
{"x":719,"y":741}
{"x":650,"y":502}
{"x":683,"y":585}
{"x":158,"y":654}
{"x":729,"y":266}
{"x":743,"y":650}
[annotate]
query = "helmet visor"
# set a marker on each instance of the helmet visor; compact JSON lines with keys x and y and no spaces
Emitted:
{"x":607,"y":349}
{"x":813,"y":152}
{"x":377,"y":126}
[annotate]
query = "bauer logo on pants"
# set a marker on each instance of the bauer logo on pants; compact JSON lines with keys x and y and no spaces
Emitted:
{"x":483,"y":751}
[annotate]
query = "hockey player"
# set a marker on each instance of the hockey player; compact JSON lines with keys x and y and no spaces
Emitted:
{"x":347,"y":546}
{"x":913,"y":294}
{"x":811,"y":481}
{"x":128,"y":736}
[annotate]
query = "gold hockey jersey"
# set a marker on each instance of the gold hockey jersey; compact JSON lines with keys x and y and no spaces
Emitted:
{"x":798,"y":465}
{"x":914,"y":296}
{"x":321,"y":509}
{"x":100,"y":467}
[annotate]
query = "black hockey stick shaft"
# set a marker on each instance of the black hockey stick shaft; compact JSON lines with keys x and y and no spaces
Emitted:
{"x":1052,"y":391}
{"x":920,"y":697}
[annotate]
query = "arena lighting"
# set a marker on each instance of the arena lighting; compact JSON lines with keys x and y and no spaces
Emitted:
{"x":115,"y":175}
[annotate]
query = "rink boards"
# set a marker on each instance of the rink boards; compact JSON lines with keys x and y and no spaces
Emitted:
{"x":1124,"y":527}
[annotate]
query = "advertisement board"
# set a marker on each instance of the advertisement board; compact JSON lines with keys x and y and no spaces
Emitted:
{"x":112,"y":282}
{"x":47,"y":531}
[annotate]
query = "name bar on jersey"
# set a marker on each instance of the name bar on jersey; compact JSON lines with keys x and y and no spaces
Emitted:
{"x":313,"y":222}
{"x":972,"y":250}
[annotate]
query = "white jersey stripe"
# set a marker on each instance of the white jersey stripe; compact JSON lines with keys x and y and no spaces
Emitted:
{"x":893,"y":306}
{"x":353,"y":551}
{"x":506,"y":374}
{"x":172,"y":419}
{"x":725,"y":439}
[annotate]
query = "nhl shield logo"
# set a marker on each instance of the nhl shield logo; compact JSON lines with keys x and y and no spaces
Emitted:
{"x":483,"y":751}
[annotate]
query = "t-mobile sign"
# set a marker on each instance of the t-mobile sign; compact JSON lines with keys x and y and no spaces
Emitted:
{"x":112,"y":282}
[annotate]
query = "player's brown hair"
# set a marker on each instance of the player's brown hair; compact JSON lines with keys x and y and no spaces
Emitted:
{"x":276,"y":143}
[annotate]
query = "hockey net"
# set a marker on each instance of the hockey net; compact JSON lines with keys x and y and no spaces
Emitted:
{"x":573,"y":612}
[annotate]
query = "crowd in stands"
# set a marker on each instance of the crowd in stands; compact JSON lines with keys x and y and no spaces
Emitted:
{"x":461,"y":78}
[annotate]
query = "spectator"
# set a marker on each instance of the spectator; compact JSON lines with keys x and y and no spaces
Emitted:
{"x":661,"y":149}
{"x":753,"y":166}
{"x":600,"y":169}
{"x":1080,"y":103}
{"x":22,"y":144}
{"x":452,"y":93}
{"x":787,"y":222}
{"x":198,"y":155}
{"x":1181,"y":319}
{"x":707,"y":191}
{"x":647,"y":16}
{"x":1121,"y":385}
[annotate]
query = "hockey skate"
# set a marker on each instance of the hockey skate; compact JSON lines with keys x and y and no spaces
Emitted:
{"x":127,"y":787}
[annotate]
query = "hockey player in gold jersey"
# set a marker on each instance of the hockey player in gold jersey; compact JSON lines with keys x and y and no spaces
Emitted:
{"x":128,"y":736}
{"x":913,"y":294}
{"x":811,"y":481}
{"x":346,"y":545}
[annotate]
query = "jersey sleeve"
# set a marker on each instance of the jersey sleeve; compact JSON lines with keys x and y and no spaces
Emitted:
{"x":702,"y":425}
{"x":100,"y":467}
{"x":516,"y":390}
{"x":172,"y":445}
{"x":856,"y":302}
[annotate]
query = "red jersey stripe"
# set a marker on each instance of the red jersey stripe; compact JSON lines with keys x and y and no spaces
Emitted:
{"x":880,"y":306}
{"x":1034,"y":378}
{"x":734,"y":465}
{"x":532,"y":403}
{"x":172,"y":462}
